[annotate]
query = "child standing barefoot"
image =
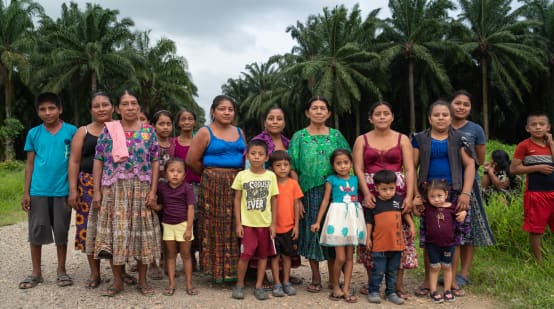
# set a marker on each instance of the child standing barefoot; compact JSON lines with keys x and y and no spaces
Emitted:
{"x":440,"y":220}
{"x":288,"y":214}
{"x":344,"y":226}
{"x":177,"y":200}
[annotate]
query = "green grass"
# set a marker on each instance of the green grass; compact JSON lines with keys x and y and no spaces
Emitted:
{"x":11,"y":192}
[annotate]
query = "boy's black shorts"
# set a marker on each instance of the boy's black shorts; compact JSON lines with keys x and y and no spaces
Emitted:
{"x":285,"y":245}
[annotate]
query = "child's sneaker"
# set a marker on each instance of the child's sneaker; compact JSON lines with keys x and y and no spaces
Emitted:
{"x":436,"y":297}
{"x":278,"y":291}
{"x":448,"y":296}
{"x":374,"y":298}
{"x":260,"y":294}
{"x":395,"y":299}
{"x":288,"y":289}
{"x":238,"y":292}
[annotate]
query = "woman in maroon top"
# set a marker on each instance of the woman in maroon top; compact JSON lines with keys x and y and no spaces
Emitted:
{"x":378,"y":149}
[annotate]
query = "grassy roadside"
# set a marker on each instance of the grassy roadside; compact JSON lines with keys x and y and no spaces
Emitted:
{"x":10,"y":196}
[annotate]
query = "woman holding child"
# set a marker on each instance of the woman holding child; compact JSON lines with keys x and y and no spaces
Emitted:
{"x":379,"y":149}
{"x":125,"y":175}
{"x":216,"y":153}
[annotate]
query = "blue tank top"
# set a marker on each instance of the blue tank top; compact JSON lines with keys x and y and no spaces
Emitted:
{"x":221,"y":153}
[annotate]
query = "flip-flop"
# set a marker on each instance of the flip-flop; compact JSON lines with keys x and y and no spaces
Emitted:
{"x":295,"y":280}
{"x":314,"y":287}
{"x":458,"y":292}
{"x":335,"y":297}
{"x":92,"y":283}
{"x":351,"y":299}
{"x":364,"y":290}
{"x":129,"y":279}
{"x":403,"y":294}
{"x":64,"y":280}
{"x":462,"y":281}
{"x":422,"y":291}
{"x":145,"y":290}
{"x":112,"y":291}
{"x":191,"y":291}
{"x":169,"y":291}
{"x":30,"y":282}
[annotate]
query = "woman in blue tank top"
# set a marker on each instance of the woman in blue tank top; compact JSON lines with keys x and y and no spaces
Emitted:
{"x":216,"y":153}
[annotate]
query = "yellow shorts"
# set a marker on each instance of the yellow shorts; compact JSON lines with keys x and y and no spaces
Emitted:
{"x":175,"y":231}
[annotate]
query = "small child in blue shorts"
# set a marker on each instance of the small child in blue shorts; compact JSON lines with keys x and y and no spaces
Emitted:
{"x":255,"y":207}
{"x":46,"y":187}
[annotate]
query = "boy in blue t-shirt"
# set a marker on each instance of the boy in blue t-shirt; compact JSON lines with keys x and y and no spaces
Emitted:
{"x":46,"y":187}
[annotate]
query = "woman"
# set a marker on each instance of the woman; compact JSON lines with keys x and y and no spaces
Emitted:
{"x":441,"y":153}
{"x":384,"y":148}
{"x":125,"y":175}
{"x":310,"y":150}
{"x":216,"y":153}
{"x":83,"y":148}
{"x":481,"y":234}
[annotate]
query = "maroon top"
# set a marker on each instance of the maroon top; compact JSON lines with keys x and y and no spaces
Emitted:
{"x":440,"y":223}
{"x":376,"y":160}
{"x":175,"y":202}
{"x":181,"y":152}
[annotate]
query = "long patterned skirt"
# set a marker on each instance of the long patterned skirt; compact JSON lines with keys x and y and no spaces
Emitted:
{"x":216,"y":223}
{"x":481,"y":233}
{"x":84,"y":187}
{"x":308,"y":242}
{"x":127,"y":229}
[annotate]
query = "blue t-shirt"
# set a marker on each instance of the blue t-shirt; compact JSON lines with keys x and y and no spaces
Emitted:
{"x":474,"y":135}
{"x":439,"y":167}
{"x":49,"y":176}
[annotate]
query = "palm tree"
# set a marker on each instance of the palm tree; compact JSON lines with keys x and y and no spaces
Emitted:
{"x":16,"y":27}
{"x":83,"y":48}
{"x":411,"y":36}
{"x":496,"y":39}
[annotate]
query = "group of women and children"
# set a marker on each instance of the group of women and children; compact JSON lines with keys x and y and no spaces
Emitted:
{"x":132,"y":184}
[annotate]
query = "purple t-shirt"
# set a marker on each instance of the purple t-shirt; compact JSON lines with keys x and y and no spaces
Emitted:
{"x":440,"y":223}
{"x":175,"y":202}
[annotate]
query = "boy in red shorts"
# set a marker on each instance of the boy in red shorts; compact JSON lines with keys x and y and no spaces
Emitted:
{"x":534,"y":157}
{"x":255,"y":208}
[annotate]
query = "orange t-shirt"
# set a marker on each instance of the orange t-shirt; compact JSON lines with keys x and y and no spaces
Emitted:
{"x":288,"y":193}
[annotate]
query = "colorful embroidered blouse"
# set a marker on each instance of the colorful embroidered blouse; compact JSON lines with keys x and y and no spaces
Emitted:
{"x":310,"y":156}
{"x":143,"y":150}
{"x":266,"y":137}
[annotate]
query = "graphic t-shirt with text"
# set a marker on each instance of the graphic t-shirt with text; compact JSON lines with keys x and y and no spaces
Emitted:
{"x":257,"y":190}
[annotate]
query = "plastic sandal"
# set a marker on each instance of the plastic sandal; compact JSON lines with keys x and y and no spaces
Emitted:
{"x":448,"y":296}
{"x":112,"y":291}
{"x":30,"y":282}
{"x":436,"y":297}
{"x":64,"y":280}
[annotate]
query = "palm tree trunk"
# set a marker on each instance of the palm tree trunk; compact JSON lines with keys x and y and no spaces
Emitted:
{"x":412,"y":96}
{"x":357,"y":116}
{"x":93,"y":82}
{"x":484,"y":80}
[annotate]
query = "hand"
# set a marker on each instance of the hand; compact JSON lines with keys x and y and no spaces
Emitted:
{"x":188,"y":235}
{"x":544,"y":169}
{"x":272,"y":231}
{"x":369,"y":201}
{"x":240,"y":231}
{"x":461,"y":216}
{"x":72,"y":199}
{"x":407,"y":206}
{"x":486,"y":167}
{"x":463,"y":202}
{"x":97,"y":199}
{"x":301,"y":210}
{"x":548,"y":138}
{"x":151,"y":199}
{"x":294,"y":234}
{"x":413,"y":231}
{"x":314,"y":227}
{"x":368,"y":243}
{"x":26,"y":202}
{"x":156,"y":207}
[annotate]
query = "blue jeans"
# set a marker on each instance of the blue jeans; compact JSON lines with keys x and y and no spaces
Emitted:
{"x":384,"y":264}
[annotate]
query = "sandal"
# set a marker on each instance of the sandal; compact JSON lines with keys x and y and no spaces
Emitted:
{"x":335,"y":297}
{"x":155,"y":274}
{"x":64,"y":280}
{"x":462,"y":281}
{"x":169,"y":291}
{"x":295,"y":280}
{"x":92,"y":283}
{"x":458,"y":292}
{"x":191,"y":291}
{"x":422,"y":291}
{"x":351,"y":299}
{"x":448,"y":296}
{"x":130,"y":280}
{"x":30,"y":282}
{"x":436,"y":297}
{"x":403,"y":294}
{"x":314,"y":287}
{"x":112,"y":291}
{"x":145,"y":290}
{"x":364,"y":289}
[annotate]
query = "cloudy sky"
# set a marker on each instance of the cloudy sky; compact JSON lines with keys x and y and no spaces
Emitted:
{"x":218,"y":38}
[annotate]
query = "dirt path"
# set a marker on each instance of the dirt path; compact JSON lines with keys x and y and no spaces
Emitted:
{"x":16,"y":264}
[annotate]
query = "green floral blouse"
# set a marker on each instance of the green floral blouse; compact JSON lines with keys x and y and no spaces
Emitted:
{"x":310,"y":156}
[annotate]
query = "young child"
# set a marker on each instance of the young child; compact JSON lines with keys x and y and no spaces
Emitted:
{"x":255,"y":208}
{"x":46,"y":187}
{"x":385,"y":237}
{"x":534,"y":157}
{"x":440,"y":225}
{"x":288,"y":215}
{"x":344,"y":226}
{"x":176,"y":198}
{"x":497,"y":176}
